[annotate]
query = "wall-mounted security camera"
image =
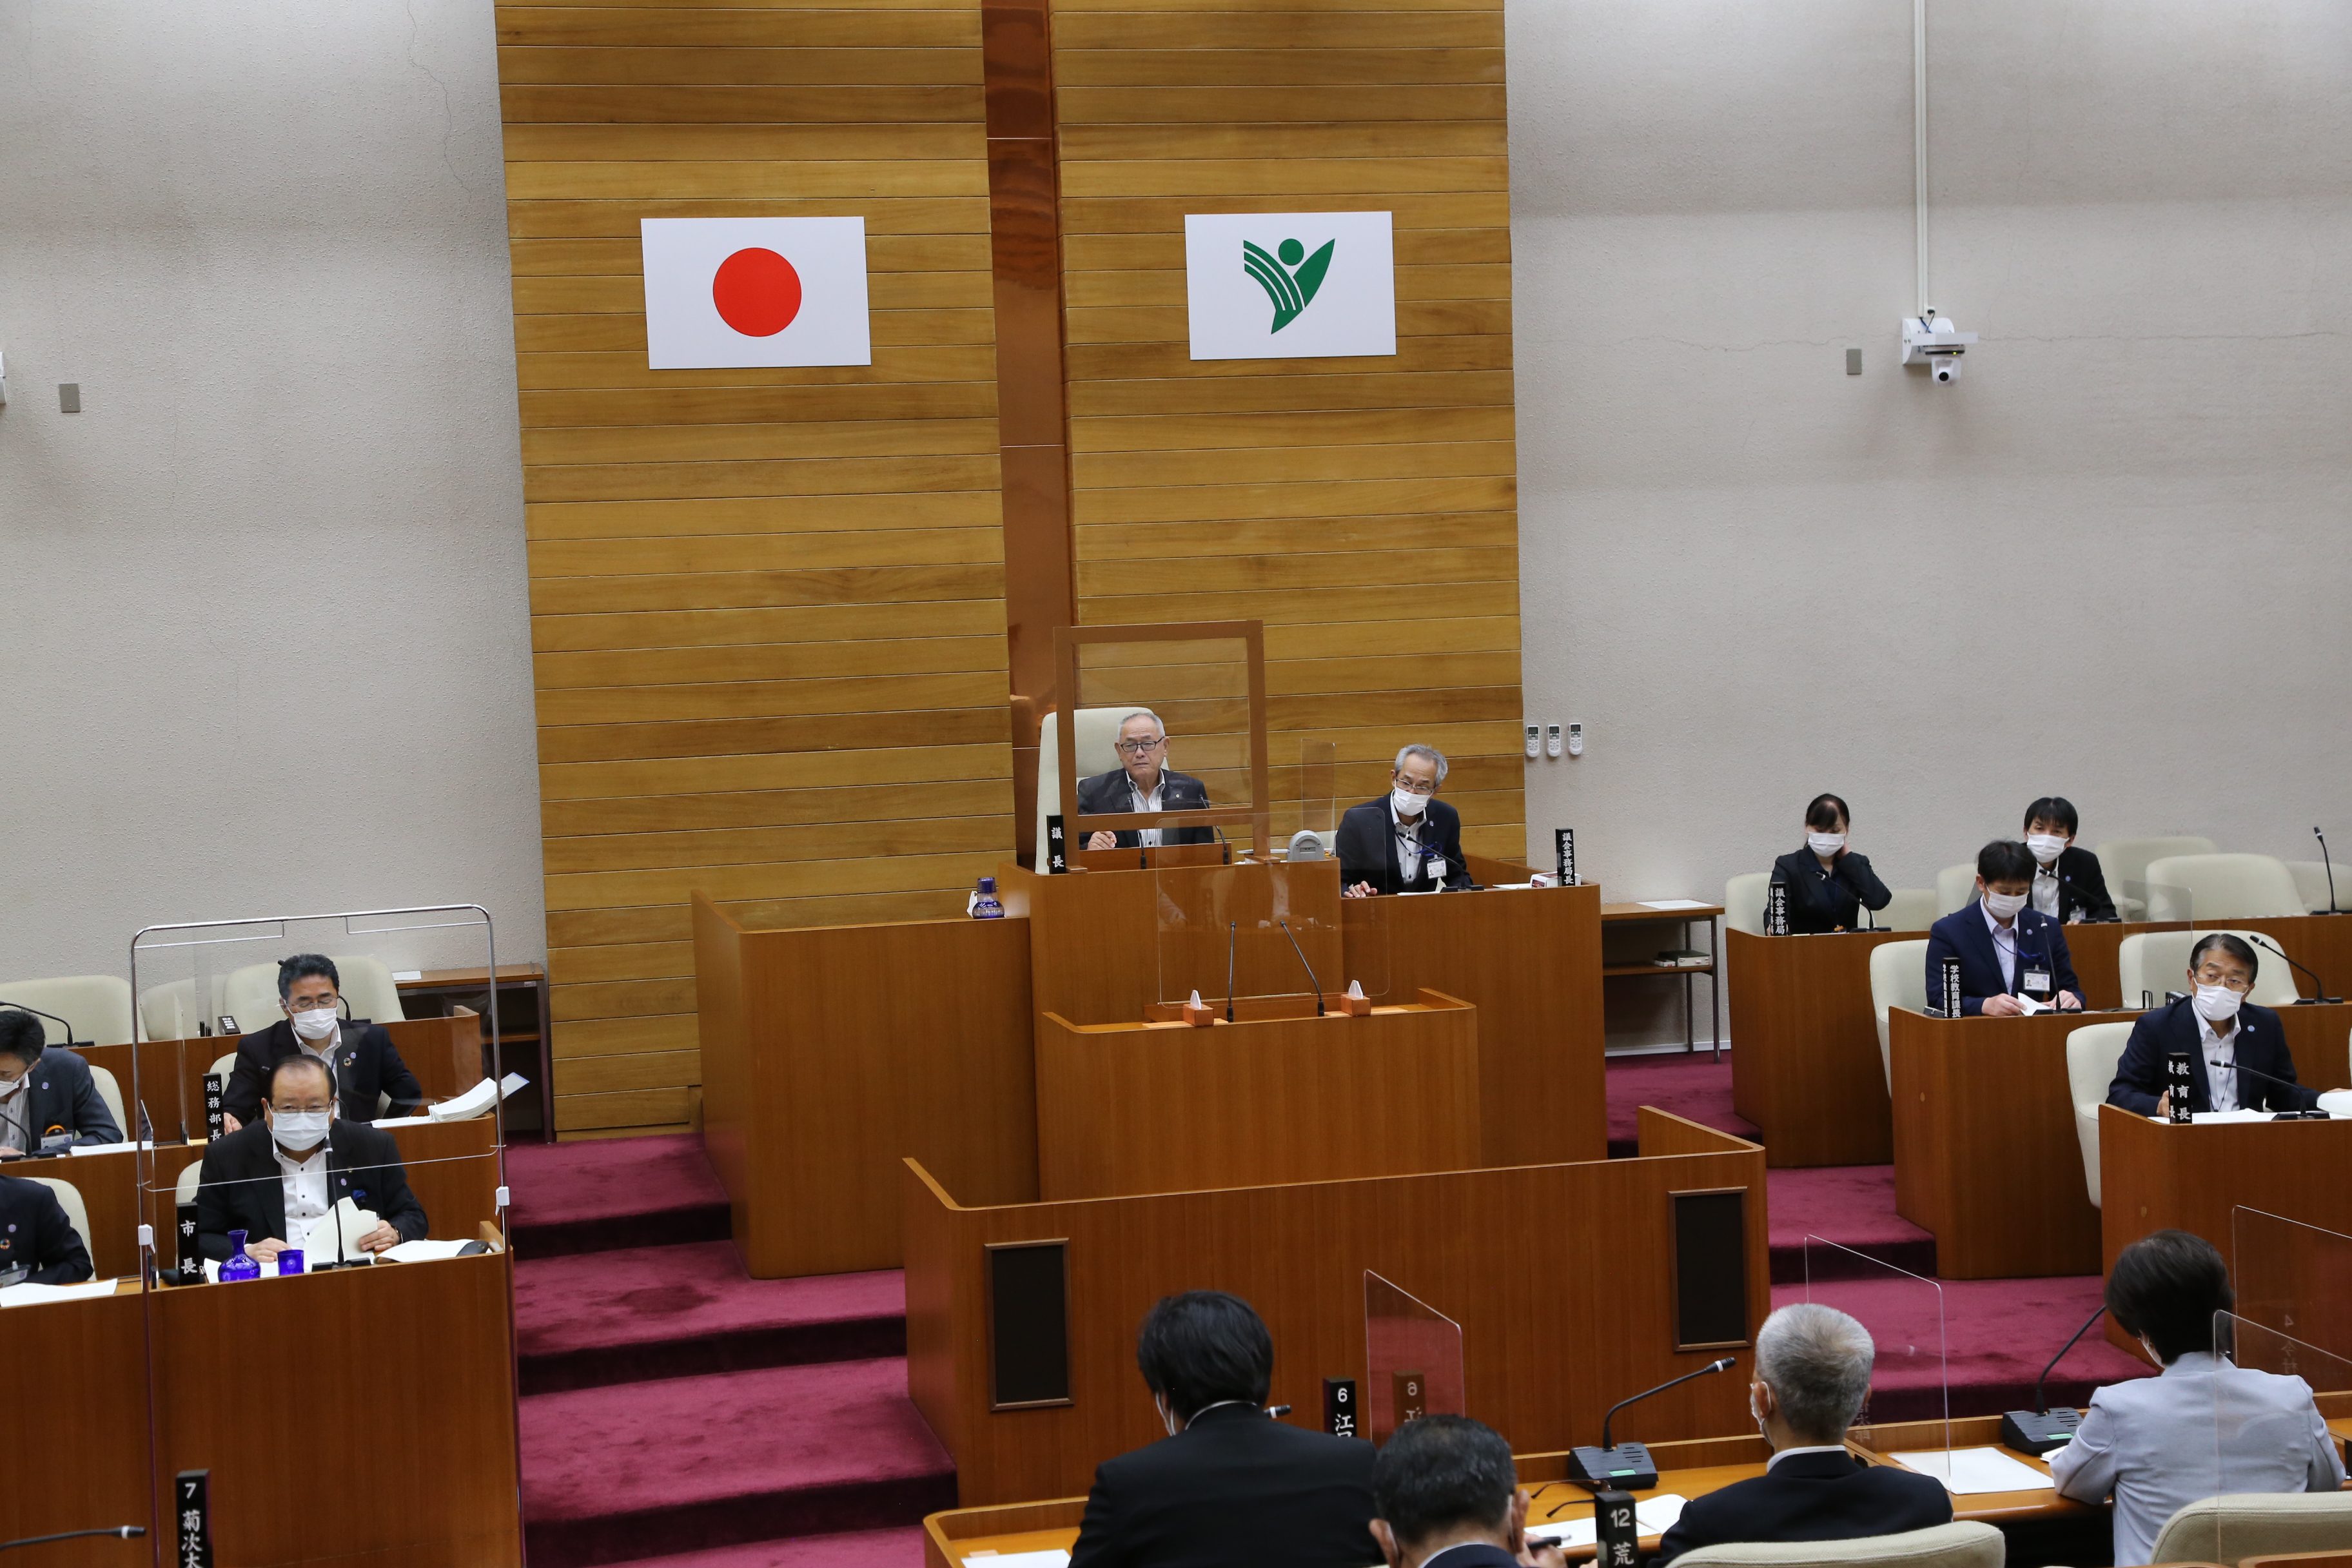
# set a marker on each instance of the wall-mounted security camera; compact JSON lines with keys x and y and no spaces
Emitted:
{"x":1929,"y":339}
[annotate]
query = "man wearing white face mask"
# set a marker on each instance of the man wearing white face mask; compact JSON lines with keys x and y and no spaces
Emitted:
{"x":2006,"y":950}
{"x":2220,"y":1032}
{"x":2068,"y":885}
{"x":276,"y":1177}
{"x":361,"y":1054}
{"x":1407,"y":842}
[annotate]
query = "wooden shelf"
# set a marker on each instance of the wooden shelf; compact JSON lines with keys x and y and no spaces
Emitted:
{"x":1610,"y":970}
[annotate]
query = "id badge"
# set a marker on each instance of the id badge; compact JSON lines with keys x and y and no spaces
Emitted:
{"x":2037,"y":981}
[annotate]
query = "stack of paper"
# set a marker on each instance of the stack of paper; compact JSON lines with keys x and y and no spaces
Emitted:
{"x":1652,"y":1516}
{"x":423,"y":1251}
{"x":320,"y":1243}
{"x":1967,"y":1472}
{"x":34,"y":1295}
{"x":478,"y":1100}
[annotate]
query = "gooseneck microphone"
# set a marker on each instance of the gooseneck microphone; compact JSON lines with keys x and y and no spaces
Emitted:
{"x":2330,"y":865}
{"x":1233,"y":936}
{"x":120,"y":1532}
{"x":1630,"y":1468}
{"x":53,"y":1018}
{"x":2283,"y":1083}
{"x":1314,"y":984}
{"x":2319,"y":992}
{"x":2040,"y":1430}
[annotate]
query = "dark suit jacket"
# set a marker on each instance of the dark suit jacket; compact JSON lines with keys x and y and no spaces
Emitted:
{"x":2261,"y":1046}
{"x":243,"y":1189}
{"x":1965,"y":934}
{"x":34,"y":1232}
{"x":1469,"y":1554}
{"x":1368,"y":847}
{"x":65,"y":1095}
{"x":1108,"y":795}
{"x":365,"y":1063}
{"x":1820,"y":902}
{"x":1809,"y":1497}
{"x":2082,"y":886}
{"x":1233,"y":1487}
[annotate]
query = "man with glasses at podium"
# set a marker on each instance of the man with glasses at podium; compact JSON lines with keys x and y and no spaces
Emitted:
{"x":1143,"y":782}
{"x":1407,"y":841}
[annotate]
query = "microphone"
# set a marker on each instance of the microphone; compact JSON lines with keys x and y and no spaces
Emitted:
{"x":1228,"y":845}
{"x":1233,"y":936}
{"x":2283,"y":1083}
{"x":1311,"y":980}
{"x":2324,"y":860}
{"x":2301,"y":999}
{"x":1630,"y":1466}
{"x":120,"y":1531}
{"x":2040,"y":1429}
{"x":52,"y":1017}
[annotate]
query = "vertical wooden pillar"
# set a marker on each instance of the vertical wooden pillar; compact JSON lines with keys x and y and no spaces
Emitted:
{"x":1024,"y":222}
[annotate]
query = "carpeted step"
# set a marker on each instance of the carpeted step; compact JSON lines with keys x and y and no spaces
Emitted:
{"x":1852,"y":1206}
{"x":690,"y":1464}
{"x":1691,"y":1085}
{"x":855,"y":1549}
{"x":608,"y":1194}
{"x":593,"y":1319}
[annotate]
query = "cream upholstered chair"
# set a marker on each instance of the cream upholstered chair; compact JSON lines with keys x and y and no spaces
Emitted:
{"x":98,"y":1006}
{"x":2254,"y":1524}
{"x":2230,"y":886}
{"x":250,"y":994}
{"x":1096,"y":745}
{"x":110,"y":1090}
{"x":1899,"y":978}
{"x":184,"y":1188}
{"x":2125,"y":861}
{"x":2091,"y":1053}
{"x":1911,"y":908}
{"x":222,"y":1066}
{"x":1956,"y":887}
{"x":77,"y":1212}
{"x":1965,"y":1545}
{"x":2154,"y":962}
{"x":2312,"y":881}
{"x":1743,"y":901}
{"x":173,"y":1010}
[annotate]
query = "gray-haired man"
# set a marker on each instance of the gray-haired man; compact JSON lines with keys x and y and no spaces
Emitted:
{"x":1407,"y":841}
{"x":1143,"y":782}
{"x":1813,"y":1373}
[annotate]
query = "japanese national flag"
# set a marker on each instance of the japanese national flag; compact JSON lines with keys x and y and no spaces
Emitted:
{"x":723,"y":293}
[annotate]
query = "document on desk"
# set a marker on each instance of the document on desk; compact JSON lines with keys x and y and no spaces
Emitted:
{"x":1652,"y":1516}
{"x":1675,"y":904}
{"x":2336,"y":1102}
{"x":423,"y":1251}
{"x":320,"y":1242}
{"x":1965,"y":1472}
{"x":34,"y":1295}
{"x":2222,"y":1118}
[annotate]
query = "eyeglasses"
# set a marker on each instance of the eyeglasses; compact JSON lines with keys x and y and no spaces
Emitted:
{"x":2211,"y":975}
{"x":1137,"y":748}
{"x":1410,"y":787}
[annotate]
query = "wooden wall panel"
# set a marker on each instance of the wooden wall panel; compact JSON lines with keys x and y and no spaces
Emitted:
{"x":1363,"y":508}
{"x":767,"y":605}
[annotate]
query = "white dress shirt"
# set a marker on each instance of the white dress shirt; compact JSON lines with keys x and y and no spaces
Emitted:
{"x":2203,"y":1428}
{"x":2220,"y":1063}
{"x":16,"y":1117}
{"x":1407,"y":842}
{"x":305,"y":1184}
{"x":2045,"y":889}
{"x":2004,"y":947}
{"x":1147,"y":803}
{"x":1812,"y":1448}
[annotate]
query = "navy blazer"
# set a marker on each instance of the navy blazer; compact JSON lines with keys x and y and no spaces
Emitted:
{"x":1368,"y":847}
{"x":1820,"y":902}
{"x":366,"y":1061}
{"x":1965,"y":935}
{"x":35,"y":1234}
{"x":1809,"y":1497}
{"x":2082,"y":886}
{"x":1112,"y":794}
{"x":65,"y":1095}
{"x":2260,"y":1047}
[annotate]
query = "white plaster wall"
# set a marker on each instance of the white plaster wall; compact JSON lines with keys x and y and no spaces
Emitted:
{"x":2111,"y":563}
{"x":263,"y":634}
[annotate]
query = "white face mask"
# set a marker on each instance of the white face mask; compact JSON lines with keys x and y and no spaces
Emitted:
{"x":2046,"y":846}
{"x":2215,"y":1002}
{"x":1408,"y":804}
{"x":316,"y":1024}
{"x":299,"y":1130}
{"x":2004,"y":906}
{"x":9,"y":1085}
{"x":1825,"y":844}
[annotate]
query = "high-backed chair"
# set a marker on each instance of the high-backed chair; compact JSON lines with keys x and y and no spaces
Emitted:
{"x":1899,"y":978}
{"x":1911,"y":908}
{"x":2230,"y":886}
{"x":185,"y":1186}
{"x":98,"y":1006}
{"x":1961,"y":1545}
{"x":2253,"y":1524}
{"x":2154,"y":962}
{"x":77,"y":1212}
{"x":2312,"y":879}
{"x":1743,"y":901}
{"x":250,"y":994}
{"x":2091,"y":1053}
{"x":2125,"y":861}
{"x":1956,"y":887}
{"x":1096,"y":745}
{"x":110,"y":1090}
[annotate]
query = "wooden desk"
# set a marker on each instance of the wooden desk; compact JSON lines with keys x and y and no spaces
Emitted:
{"x":1548,"y":1344}
{"x":87,"y":1469}
{"x":1637,"y":914}
{"x":1162,"y":1108}
{"x":1804,"y":1060}
{"x":526,"y":1032}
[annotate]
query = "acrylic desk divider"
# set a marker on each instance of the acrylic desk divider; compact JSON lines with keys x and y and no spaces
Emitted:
{"x":2153,"y":902}
{"x":1412,"y":1359}
{"x":2293,"y":1279}
{"x":2261,"y":1444}
{"x":1263,"y":930}
{"x":1903,"y":1315}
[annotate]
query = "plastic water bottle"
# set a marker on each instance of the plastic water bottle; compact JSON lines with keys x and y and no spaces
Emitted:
{"x":984,"y":906}
{"x":238,"y":1265}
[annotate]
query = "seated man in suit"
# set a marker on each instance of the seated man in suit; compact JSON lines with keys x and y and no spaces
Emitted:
{"x":2005,"y":949}
{"x":2220,"y":1032}
{"x":1228,"y":1484}
{"x":361,"y":1053}
{"x":45,"y":1094}
{"x":274,"y":1178}
{"x":2205,"y":1427}
{"x":1446,"y":1495}
{"x":2068,"y":885}
{"x":1813,"y":1373}
{"x":1407,"y":842}
{"x":1828,"y":885}
{"x":1143,"y":782}
{"x":38,"y":1245}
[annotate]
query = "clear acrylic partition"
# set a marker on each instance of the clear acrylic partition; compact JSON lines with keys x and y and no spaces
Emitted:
{"x":2257,"y":1446}
{"x":2154,"y":901}
{"x":1200,"y":688}
{"x":1412,"y":1359}
{"x":1905,"y":1315}
{"x":1317,"y":802}
{"x":2293,"y":1279}
{"x":1260,"y":927}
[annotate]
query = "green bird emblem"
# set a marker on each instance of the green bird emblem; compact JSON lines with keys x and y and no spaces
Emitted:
{"x":1289,"y":281}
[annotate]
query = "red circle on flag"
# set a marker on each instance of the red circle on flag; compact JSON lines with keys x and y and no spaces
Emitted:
{"x":757,"y":292}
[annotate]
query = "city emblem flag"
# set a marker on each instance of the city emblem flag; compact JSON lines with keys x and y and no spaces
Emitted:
{"x":727,"y":293}
{"x":1290,"y":284}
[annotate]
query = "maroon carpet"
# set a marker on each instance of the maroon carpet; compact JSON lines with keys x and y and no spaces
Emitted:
{"x":852,"y":1549}
{"x":1693,"y":1086}
{"x":611,"y":1192}
{"x":1851,"y":1206}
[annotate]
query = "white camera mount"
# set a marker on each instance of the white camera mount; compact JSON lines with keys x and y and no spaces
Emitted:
{"x":1929,"y":339}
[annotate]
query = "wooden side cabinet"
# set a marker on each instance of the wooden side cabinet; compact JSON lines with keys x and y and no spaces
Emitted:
{"x":526,"y":1038}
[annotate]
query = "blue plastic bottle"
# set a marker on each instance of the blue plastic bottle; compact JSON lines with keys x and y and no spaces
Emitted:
{"x":985,"y":907}
{"x":238,"y":1264}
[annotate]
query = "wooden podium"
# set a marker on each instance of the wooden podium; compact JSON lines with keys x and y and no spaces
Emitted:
{"x":1804,"y":1058}
{"x":1159,"y":1108}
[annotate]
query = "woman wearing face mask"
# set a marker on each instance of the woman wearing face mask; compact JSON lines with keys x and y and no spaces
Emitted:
{"x":2221,"y":1033}
{"x":2006,"y":949}
{"x":365,"y":1061}
{"x":2068,"y":885}
{"x":1828,"y":885}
